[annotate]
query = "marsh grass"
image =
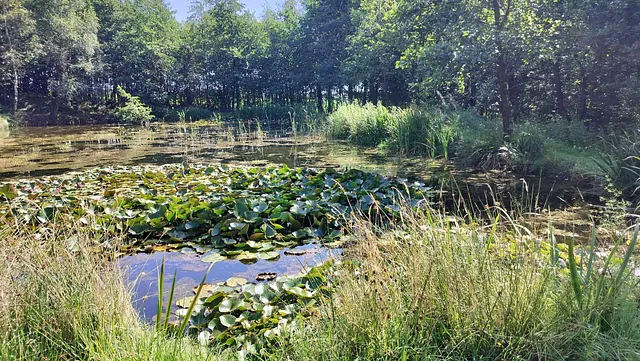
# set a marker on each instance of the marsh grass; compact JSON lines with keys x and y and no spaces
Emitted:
{"x":62,"y":300}
{"x":434,"y":288}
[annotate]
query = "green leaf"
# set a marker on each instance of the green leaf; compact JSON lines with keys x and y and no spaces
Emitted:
{"x":236,"y":281}
{"x":269,"y":255}
{"x":213,"y":257}
{"x":228,"y":320}
{"x":230,"y":304}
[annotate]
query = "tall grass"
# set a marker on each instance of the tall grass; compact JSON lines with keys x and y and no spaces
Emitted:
{"x":417,"y":130}
{"x":61,"y":300}
{"x":435,"y":289}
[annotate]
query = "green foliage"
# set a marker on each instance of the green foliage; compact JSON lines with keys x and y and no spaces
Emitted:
{"x":134,"y":111}
{"x":239,"y":213}
{"x":275,"y":112}
{"x":248,"y":316}
{"x":621,"y":162}
{"x":417,"y":130}
{"x":367,"y":125}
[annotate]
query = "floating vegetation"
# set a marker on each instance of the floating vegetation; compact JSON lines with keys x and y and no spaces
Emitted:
{"x":216,"y":211}
{"x":248,"y":315}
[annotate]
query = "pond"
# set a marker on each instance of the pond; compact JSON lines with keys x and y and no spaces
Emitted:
{"x":43,"y":151}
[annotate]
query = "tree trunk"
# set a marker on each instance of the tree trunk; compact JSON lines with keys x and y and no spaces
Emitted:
{"x":55,"y":106}
{"x":365,"y":86}
{"x":374,"y":93}
{"x":557,"y":80}
{"x":319,"y":99}
{"x":582,"y":97}
{"x":503,"y":78}
{"x":350,"y":93}
{"x":330,"y":99}
{"x":15,"y":91}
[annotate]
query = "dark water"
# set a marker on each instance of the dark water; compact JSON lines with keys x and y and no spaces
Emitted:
{"x":141,"y":271}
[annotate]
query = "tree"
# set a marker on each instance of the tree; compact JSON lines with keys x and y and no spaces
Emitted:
{"x":19,"y":45}
{"x":323,"y":44}
{"x":68,"y":32}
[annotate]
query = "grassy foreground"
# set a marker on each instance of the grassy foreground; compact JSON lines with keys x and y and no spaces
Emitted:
{"x":438,"y":290}
{"x":60,"y":300}
{"x":432,"y":288}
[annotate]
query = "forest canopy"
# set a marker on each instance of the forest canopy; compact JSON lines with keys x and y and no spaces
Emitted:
{"x":556,"y":60}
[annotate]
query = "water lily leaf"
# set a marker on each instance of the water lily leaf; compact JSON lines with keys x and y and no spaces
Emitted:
{"x":240,"y":208}
{"x":260,"y":288}
{"x":254,"y":244}
{"x":298,"y":210}
{"x":177,"y":235}
{"x":300,"y":234}
{"x":204,"y":337}
{"x":260,"y":207}
{"x":295,"y":225}
{"x":269,"y":255}
{"x":256,"y":236}
{"x":247,"y":256}
{"x":302,"y":293}
{"x":213,"y":257}
{"x":228,"y":320}
{"x":185,"y":302}
{"x":268,"y":230}
{"x":237,"y":225}
{"x":230,"y":304}
{"x":267,"y":296}
{"x":192,"y":224}
{"x":236,"y":281}
{"x":188,"y":250}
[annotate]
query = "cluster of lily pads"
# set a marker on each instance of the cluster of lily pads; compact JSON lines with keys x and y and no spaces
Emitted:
{"x":248,"y":315}
{"x":245,"y":213}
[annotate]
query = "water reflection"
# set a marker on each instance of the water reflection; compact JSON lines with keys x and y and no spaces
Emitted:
{"x":38,"y":151}
{"x":141,"y":272}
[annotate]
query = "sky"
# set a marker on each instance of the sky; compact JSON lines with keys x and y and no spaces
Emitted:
{"x":181,"y":7}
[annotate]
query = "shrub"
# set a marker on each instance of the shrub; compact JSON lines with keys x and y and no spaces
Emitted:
{"x":134,"y":111}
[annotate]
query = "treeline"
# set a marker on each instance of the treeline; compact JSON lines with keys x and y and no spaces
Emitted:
{"x":519,"y":59}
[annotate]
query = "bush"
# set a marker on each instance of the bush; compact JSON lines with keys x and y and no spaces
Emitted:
{"x":134,"y":111}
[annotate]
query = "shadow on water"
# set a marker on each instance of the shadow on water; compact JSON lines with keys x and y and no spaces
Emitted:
{"x":141,"y":271}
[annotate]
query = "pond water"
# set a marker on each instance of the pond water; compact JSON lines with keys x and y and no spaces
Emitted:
{"x":37,"y":151}
{"x":49,"y":150}
{"x":141,"y":271}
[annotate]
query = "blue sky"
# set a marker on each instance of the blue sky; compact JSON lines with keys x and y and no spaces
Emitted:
{"x":181,"y":7}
